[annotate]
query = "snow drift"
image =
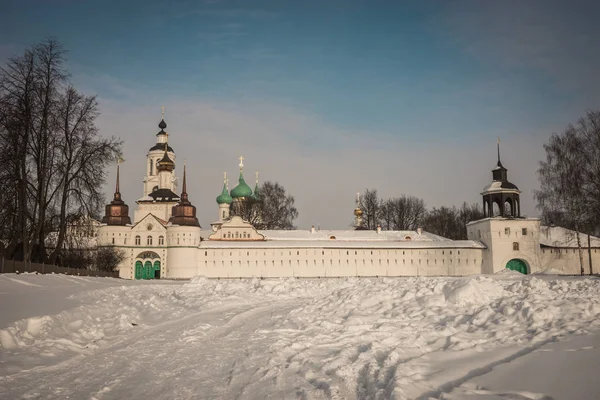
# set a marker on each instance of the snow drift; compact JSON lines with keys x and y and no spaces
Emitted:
{"x":287,"y":338}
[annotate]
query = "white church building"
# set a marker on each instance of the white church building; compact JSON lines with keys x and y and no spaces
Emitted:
{"x":165,"y":239}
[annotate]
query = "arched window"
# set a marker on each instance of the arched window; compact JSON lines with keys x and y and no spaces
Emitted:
{"x":228,"y":235}
{"x":237,"y":235}
{"x":161,"y":240}
{"x":137,"y":240}
{"x":149,"y":241}
{"x":515,"y":246}
{"x":151,"y":167}
{"x":223,"y":214}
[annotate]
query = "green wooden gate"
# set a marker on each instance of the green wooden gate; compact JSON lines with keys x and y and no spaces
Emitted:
{"x":148,"y":270}
{"x":156,"y":270}
{"x":517,"y":265}
{"x":138,"y":270}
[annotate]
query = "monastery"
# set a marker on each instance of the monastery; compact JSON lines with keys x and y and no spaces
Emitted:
{"x":165,"y":239}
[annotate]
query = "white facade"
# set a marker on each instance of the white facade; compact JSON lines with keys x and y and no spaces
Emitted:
{"x":156,"y":248}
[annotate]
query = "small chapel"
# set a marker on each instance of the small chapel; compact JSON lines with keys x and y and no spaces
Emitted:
{"x":165,"y":239}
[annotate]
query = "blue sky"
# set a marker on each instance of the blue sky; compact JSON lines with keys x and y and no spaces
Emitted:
{"x":329,"y":97}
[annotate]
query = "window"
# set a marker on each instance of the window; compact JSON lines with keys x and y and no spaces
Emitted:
{"x":125,"y":241}
{"x":161,"y":240}
{"x":113,"y":240}
{"x":223,"y":214}
{"x":524,"y":231}
{"x":149,"y":241}
{"x":507,"y":231}
{"x":137,"y":240}
{"x":515,"y":246}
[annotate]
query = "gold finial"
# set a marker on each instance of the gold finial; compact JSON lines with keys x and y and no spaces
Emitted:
{"x":241,"y":163}
{"x":257,"y":177}
{"x":225,"y":177}
{"x":227,"y":183}
{"x":162,"y":112}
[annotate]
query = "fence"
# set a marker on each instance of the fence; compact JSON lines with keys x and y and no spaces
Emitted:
{"x":12,"y":266}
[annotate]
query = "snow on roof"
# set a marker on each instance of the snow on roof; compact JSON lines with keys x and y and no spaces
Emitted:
{"x":556,"y":236}
{"x":345,"y":239}
{"x":345,"y":244}
{"x":350,"y":235}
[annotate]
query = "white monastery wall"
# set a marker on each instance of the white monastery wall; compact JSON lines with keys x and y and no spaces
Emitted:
{"x":566,"y":260}
{"x":239,"y":261}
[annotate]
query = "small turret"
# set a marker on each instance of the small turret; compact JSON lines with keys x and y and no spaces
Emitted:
{"x":117,"y":212}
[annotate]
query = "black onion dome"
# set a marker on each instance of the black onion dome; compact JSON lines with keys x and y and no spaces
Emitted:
{"x":161,"y":146}
{"x":162,"y":124}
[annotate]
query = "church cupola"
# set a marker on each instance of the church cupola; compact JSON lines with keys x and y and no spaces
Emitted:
{"x":184,"y":213}
{"x":256,"y":194}
{"x":165,"y":163}
{"x":242,"y":190}
{"x":358,"y":215}
{"x":162,"y":136}
{"x":224,"y":200}
{"x":117,"y":212}
{"x":224,"y":197}
{"x":501,"y":198}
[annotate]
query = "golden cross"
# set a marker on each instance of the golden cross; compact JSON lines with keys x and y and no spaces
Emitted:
{"x":241,"y":162}
{"x":162,"y":112}
{"x":257,"y":177}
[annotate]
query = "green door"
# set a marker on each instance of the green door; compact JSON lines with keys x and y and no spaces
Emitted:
{"x":148,"y":270}
{"x":138,"y":270}
{"x":517,"y":265}
{"x":156,"y":270}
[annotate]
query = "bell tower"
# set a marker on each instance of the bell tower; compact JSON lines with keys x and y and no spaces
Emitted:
{"x":155,"y":154}
{"x":501,"y":198}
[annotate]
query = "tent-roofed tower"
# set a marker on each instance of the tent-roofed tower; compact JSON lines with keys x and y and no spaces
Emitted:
{"x":117,"y":212}
{"x":184,"y":213}
{"x":502,"y":193}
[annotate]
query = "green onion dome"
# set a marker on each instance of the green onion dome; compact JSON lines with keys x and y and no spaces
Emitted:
{"x":224,"y":197}
{"x":242,"y":189}
{"x":256,"y":195}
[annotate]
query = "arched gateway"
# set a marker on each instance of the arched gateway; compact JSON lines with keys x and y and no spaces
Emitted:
{"x":517,"y":265}
{"x":147,"y":265}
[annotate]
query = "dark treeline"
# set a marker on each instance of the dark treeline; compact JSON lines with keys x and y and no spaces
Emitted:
{"x":53,"y":161}
{"x":410,"y":213}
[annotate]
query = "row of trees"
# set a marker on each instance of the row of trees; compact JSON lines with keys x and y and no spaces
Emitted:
{"x":52,"y":160}
{"x":410,"y":213}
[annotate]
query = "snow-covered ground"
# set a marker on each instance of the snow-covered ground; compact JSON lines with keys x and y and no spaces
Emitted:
{"x":488,"y":337}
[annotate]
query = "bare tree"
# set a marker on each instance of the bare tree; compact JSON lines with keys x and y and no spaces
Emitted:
{"x":408,"y":212}
{"x":55,"y":161}
{"x":369,"y":204}
{"x":82,"y":159}
{"x":562,"y":182}
{"x":270,"y":208}
{"x":443,"y":221}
